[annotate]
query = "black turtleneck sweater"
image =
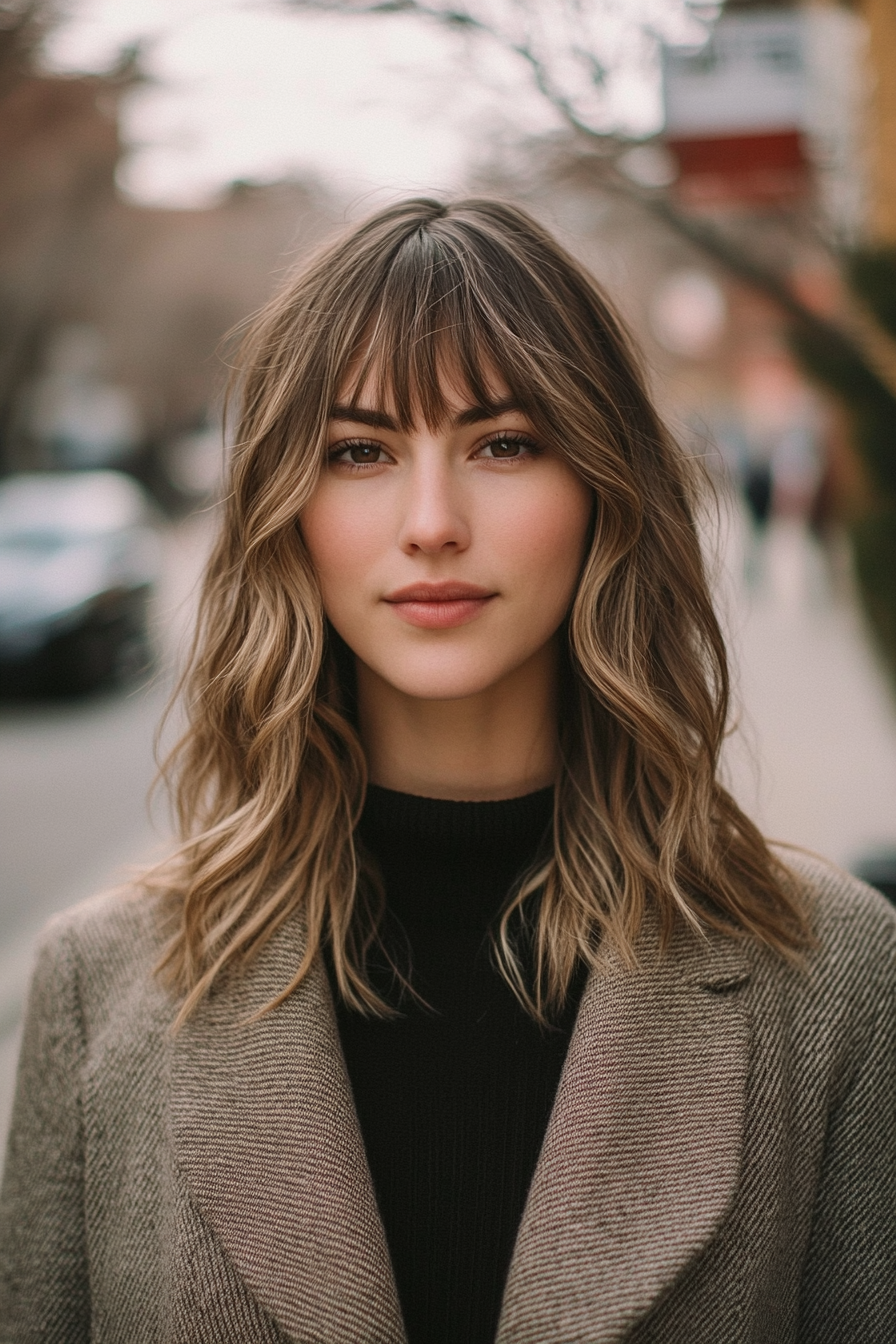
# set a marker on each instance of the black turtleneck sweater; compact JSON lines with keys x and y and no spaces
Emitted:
{"x":453,"y":1099}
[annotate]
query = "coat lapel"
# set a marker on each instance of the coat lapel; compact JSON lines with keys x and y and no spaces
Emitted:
{"x":639,"y":1165}
{"x":641,"y":1157}
{"x":266,"y":1135}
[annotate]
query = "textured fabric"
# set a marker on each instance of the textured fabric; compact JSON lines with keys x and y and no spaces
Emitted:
{"x":453,"y":1098}
{"x":720,"y":1163}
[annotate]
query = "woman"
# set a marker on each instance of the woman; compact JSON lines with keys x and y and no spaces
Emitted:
{"x":471,"y":1005}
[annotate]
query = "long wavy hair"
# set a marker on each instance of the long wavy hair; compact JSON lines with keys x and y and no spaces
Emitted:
{"x":269,"y":779}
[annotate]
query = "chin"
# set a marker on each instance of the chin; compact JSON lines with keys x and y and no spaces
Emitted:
{"x":441,"y":682}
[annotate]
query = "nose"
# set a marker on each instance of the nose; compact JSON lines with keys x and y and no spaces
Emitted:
{"x":435,"y":518}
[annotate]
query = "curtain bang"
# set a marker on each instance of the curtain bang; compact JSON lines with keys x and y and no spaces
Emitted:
{"x":428,"y":336}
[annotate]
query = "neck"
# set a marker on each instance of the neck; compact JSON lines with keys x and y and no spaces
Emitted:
{"x":498,"y":743}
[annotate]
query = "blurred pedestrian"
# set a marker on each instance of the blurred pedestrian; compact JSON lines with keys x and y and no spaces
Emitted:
{"x":757,"y":488}
{"x":471,"y":1005}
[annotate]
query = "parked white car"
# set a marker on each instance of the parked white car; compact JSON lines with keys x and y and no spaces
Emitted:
{"x":78,"y":560}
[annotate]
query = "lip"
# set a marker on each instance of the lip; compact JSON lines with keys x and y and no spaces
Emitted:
{"x":439,"y":606}
{"x":439,"y":592}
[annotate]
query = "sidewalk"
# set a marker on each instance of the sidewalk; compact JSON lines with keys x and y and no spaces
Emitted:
{"x":814,"y":761}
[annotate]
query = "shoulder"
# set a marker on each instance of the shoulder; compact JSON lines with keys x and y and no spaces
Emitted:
{"x":842,"y":992}
{"x":124,"y":926}
{"x":850,"y":921}
{"x":100,"y":952}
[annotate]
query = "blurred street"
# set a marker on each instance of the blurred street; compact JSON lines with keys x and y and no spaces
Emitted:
{"x":162,"y":167}
{"x":73,"y":781}
{"x":73,"y":794}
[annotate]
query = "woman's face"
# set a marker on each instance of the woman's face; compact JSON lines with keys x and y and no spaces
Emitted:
{"x":447,"y":557}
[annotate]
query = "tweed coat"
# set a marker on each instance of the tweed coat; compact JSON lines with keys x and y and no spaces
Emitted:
{"x":720,"y":1163}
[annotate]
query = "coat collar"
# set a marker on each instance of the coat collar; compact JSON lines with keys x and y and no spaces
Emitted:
{"x":266,"y":1135}
{"x":641,"y":1158}
{"x":639,"y":1164}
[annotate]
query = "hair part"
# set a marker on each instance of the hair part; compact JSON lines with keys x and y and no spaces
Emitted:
{"x":269,"y":780}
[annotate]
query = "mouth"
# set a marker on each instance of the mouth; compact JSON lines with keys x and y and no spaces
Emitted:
{"x":439,"y":606}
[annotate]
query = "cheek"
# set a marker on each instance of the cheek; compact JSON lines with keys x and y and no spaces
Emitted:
{"x":341,"y":538}
{"x":548,"y":532}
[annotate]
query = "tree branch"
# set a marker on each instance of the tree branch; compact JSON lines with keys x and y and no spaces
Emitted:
{"x":858,"y":336}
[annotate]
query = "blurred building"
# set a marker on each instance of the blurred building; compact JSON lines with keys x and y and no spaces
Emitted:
{"x":798,"y":83}
{"x":773,"y":110}
{"x":879,"y":17}
{"x":58,"y":151}
{"x":168,"y":285}
{"x":113,"y":313}
{"x":736,"y":110}
{"x":782,"y":130}
{"x":72,"y":414}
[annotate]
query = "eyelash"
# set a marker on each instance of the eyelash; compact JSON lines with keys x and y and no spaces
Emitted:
{"x":335,"y":455}
{"x":508,"y":436}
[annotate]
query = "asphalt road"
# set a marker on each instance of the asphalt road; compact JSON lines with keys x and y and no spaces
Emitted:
{"x":74,"y":780}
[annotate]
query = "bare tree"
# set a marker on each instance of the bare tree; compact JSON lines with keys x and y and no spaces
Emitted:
{"x":573,"y":50}
{"x":59,"y":147}
{"x":23,"y":26}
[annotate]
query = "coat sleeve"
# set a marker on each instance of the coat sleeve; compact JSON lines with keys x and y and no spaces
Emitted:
{"x":44,"y":1289}
{"x":848,"y":1291}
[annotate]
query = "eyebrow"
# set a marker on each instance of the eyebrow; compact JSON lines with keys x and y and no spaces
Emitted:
{"x":359,"y":415}
{"x":473,"y":415}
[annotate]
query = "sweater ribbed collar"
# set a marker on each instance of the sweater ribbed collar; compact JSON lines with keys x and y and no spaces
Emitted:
{"x":497,"y":827}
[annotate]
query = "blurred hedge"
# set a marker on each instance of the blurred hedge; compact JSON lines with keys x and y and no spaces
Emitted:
{"x":871,"y":408}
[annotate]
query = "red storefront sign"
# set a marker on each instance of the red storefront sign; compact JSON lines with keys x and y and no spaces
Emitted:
{"x":761,"y":168}
{"x":735,"y":111}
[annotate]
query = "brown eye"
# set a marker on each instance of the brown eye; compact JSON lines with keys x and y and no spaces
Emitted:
{"x":364,"y":452}
{"x":358,"y":454}
{"x":508,"y":448}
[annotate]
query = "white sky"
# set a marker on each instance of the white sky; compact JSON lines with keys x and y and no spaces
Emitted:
{"x":248,"y":89}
